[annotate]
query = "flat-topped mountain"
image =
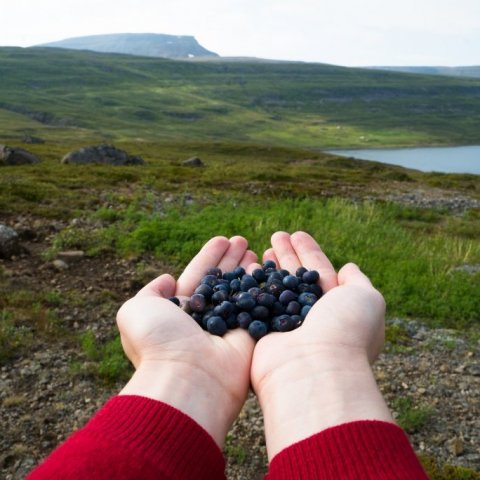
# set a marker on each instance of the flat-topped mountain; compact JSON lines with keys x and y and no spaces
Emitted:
{"x":144,"y":44}
{"x":464,"y":71}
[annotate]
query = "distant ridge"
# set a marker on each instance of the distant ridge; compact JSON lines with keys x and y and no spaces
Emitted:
{"x":470,"y":71}
{"x":144,"y":44}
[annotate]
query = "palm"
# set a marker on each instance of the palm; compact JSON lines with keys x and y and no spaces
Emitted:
{"x":162,"y":333}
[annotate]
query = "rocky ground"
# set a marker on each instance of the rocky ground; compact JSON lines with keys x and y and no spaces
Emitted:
{"x":51,"y":389}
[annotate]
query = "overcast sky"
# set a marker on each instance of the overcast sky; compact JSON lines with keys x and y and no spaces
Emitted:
{"x":342,"y":32}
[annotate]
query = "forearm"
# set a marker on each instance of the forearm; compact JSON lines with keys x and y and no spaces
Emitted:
{"x":318,"y":398}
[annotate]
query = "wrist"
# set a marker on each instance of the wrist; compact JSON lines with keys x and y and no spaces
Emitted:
{"x":303,"y":398}
{"x":190,"y":390}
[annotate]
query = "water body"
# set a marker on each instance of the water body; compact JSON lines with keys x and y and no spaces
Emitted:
{"x":438,"y":159}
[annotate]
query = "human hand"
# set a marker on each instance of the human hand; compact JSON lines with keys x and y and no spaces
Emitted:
{"x":205,"y":376}
{"x":318,"y":375}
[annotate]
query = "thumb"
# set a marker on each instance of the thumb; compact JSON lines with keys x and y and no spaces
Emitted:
{"x":350,"y":274}
{"x":163,"y":286}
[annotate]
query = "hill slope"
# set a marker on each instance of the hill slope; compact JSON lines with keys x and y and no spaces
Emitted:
{"x":144,"y":44}
{"x":64,"y":94}
{"x":471,"y":71}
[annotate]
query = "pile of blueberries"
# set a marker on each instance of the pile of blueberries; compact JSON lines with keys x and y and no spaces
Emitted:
{"x":268,"y":300}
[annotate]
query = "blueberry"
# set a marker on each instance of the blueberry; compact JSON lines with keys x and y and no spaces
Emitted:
{"x":210,"y":280}
{"x":293,"y":308}
{"x":303,"y":287}
{"x":224,"y":310}
{"x":205,"y":318}
{"x":219,"y":297}
{"x":259,"y":275}
{"x":205,"y":290}
{"x":197,"y":302}
{"x":300,"y":271}
{"x":266,"y":299}
{"x":216,"y":326}
{"x":257,"y":329}
{"x":297,"y":320}
{"x":247,"y":282}
{"x":269,"y":264}
{"x":259,"y":312}
{"x":245,"y":301}
{"x":215,"y":271}
{"x":275,"y":276}
{"x":225,"y":287}
{"x":316,"y":289}
{"x":198,"y":317}
{"x":283,"y":272}
{"x":311,"y":276}
{"x":291,"y":282}
{"x":244,"y":319}
{"x":278,"y":309}
{"x":231,"y":321}
{"x":275,"y":287}
{"x":305,"y":309}
{"x":235,"y":285}
{"x":239,"y":272}
{"x":287,"y":296}
{"x":307,"y":298}
{"x":255,"y":292}
{"x":283,"y":323}
{"x":229,"y":276}
{"x":175,"y":300}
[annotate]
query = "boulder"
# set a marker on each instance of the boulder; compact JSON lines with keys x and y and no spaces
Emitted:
{"x":31,"y":139}
{"x":103,"y":155}
{"x":16,"y":156}
{"x":9,"y":242}
{"x":193,"y":162}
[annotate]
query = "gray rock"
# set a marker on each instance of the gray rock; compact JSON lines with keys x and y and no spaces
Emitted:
{"x":193,"y":162}
{"x":16,"y":156}
{"x":9,"y":242}
{"x":60,"y":265}
{"x":101,"y":154}
{"x":31,"y":139}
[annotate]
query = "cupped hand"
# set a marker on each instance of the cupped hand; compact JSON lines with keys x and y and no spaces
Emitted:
{"x":205,"y":376}
{"x":304,"y":378}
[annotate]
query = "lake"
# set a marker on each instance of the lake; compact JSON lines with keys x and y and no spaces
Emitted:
{"x":437,"y":159}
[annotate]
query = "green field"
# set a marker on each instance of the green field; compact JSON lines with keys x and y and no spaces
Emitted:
{"x":86,"y":96}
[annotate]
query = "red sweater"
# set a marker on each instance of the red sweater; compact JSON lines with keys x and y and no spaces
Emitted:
{"x":134,"y":437}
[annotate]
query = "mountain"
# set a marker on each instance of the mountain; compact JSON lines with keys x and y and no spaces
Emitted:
{"x":471,"y":71}
{"x":143,"y":44}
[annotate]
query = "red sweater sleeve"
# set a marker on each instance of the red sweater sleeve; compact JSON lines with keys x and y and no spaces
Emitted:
{"x":134,"y":437}
{"x":367,"y":450}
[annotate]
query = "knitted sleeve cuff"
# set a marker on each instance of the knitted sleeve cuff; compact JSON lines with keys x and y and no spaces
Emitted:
{"x":366,"y":449}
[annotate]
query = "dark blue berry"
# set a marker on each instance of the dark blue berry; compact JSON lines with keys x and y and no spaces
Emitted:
{"x":197,"y":302}
{"x":293,"y":308}
{"x":290,"y":282}
{"x":278,"y":309}
{"x":205,"y":290}
{"x":175,"y":300}
{"x":239,"y":272}
{"x":287,"y":296}
{"x":305,"y":310}
{"x":269,"y":264}
{"x":303,"y":287}
{"x":247,"y":282}
{"x":257,"y":329}
{"x":316,"y":289}
{"x":210,"y":280}
{"x":245,"y":301}
{"x":244,"y":319}
{"x":216,"y":326}
{"x":235,"y":285}
{"x":259,"y":275}
{"x":307,"y":298}
{"x":311,"y":276}
{"x":231,"y":321}
{"x":283,"y":323}
{"x":229,"y":276}
{"x":297,"y":320}
{"x":215,"y":271}
{"x":255,"y":292}
{"x":275,"y":287}
{"x":224,"y":310}
{"x":283,"y":272}
{"x":266,"y":300}
{"x":259,"y":312}
{"x":300,"y":271}
{"x":219,"y":297}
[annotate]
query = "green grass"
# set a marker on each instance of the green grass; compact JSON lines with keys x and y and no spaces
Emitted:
{"x":410,"y":417}
{"x":414,"y":272}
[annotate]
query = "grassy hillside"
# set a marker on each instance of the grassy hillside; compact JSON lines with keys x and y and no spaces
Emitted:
{"x":60,"y":94}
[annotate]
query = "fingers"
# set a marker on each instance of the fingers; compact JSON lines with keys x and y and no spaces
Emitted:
{"x":163,"y":286}
{"x":209,"y":256}
{"x":312,"y":257}
{"x":350,"y":274}
{"x":284,"y":251}
{"x":248,"y":259}
{"x":234,"y":254}
{"x":270,"y":255}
